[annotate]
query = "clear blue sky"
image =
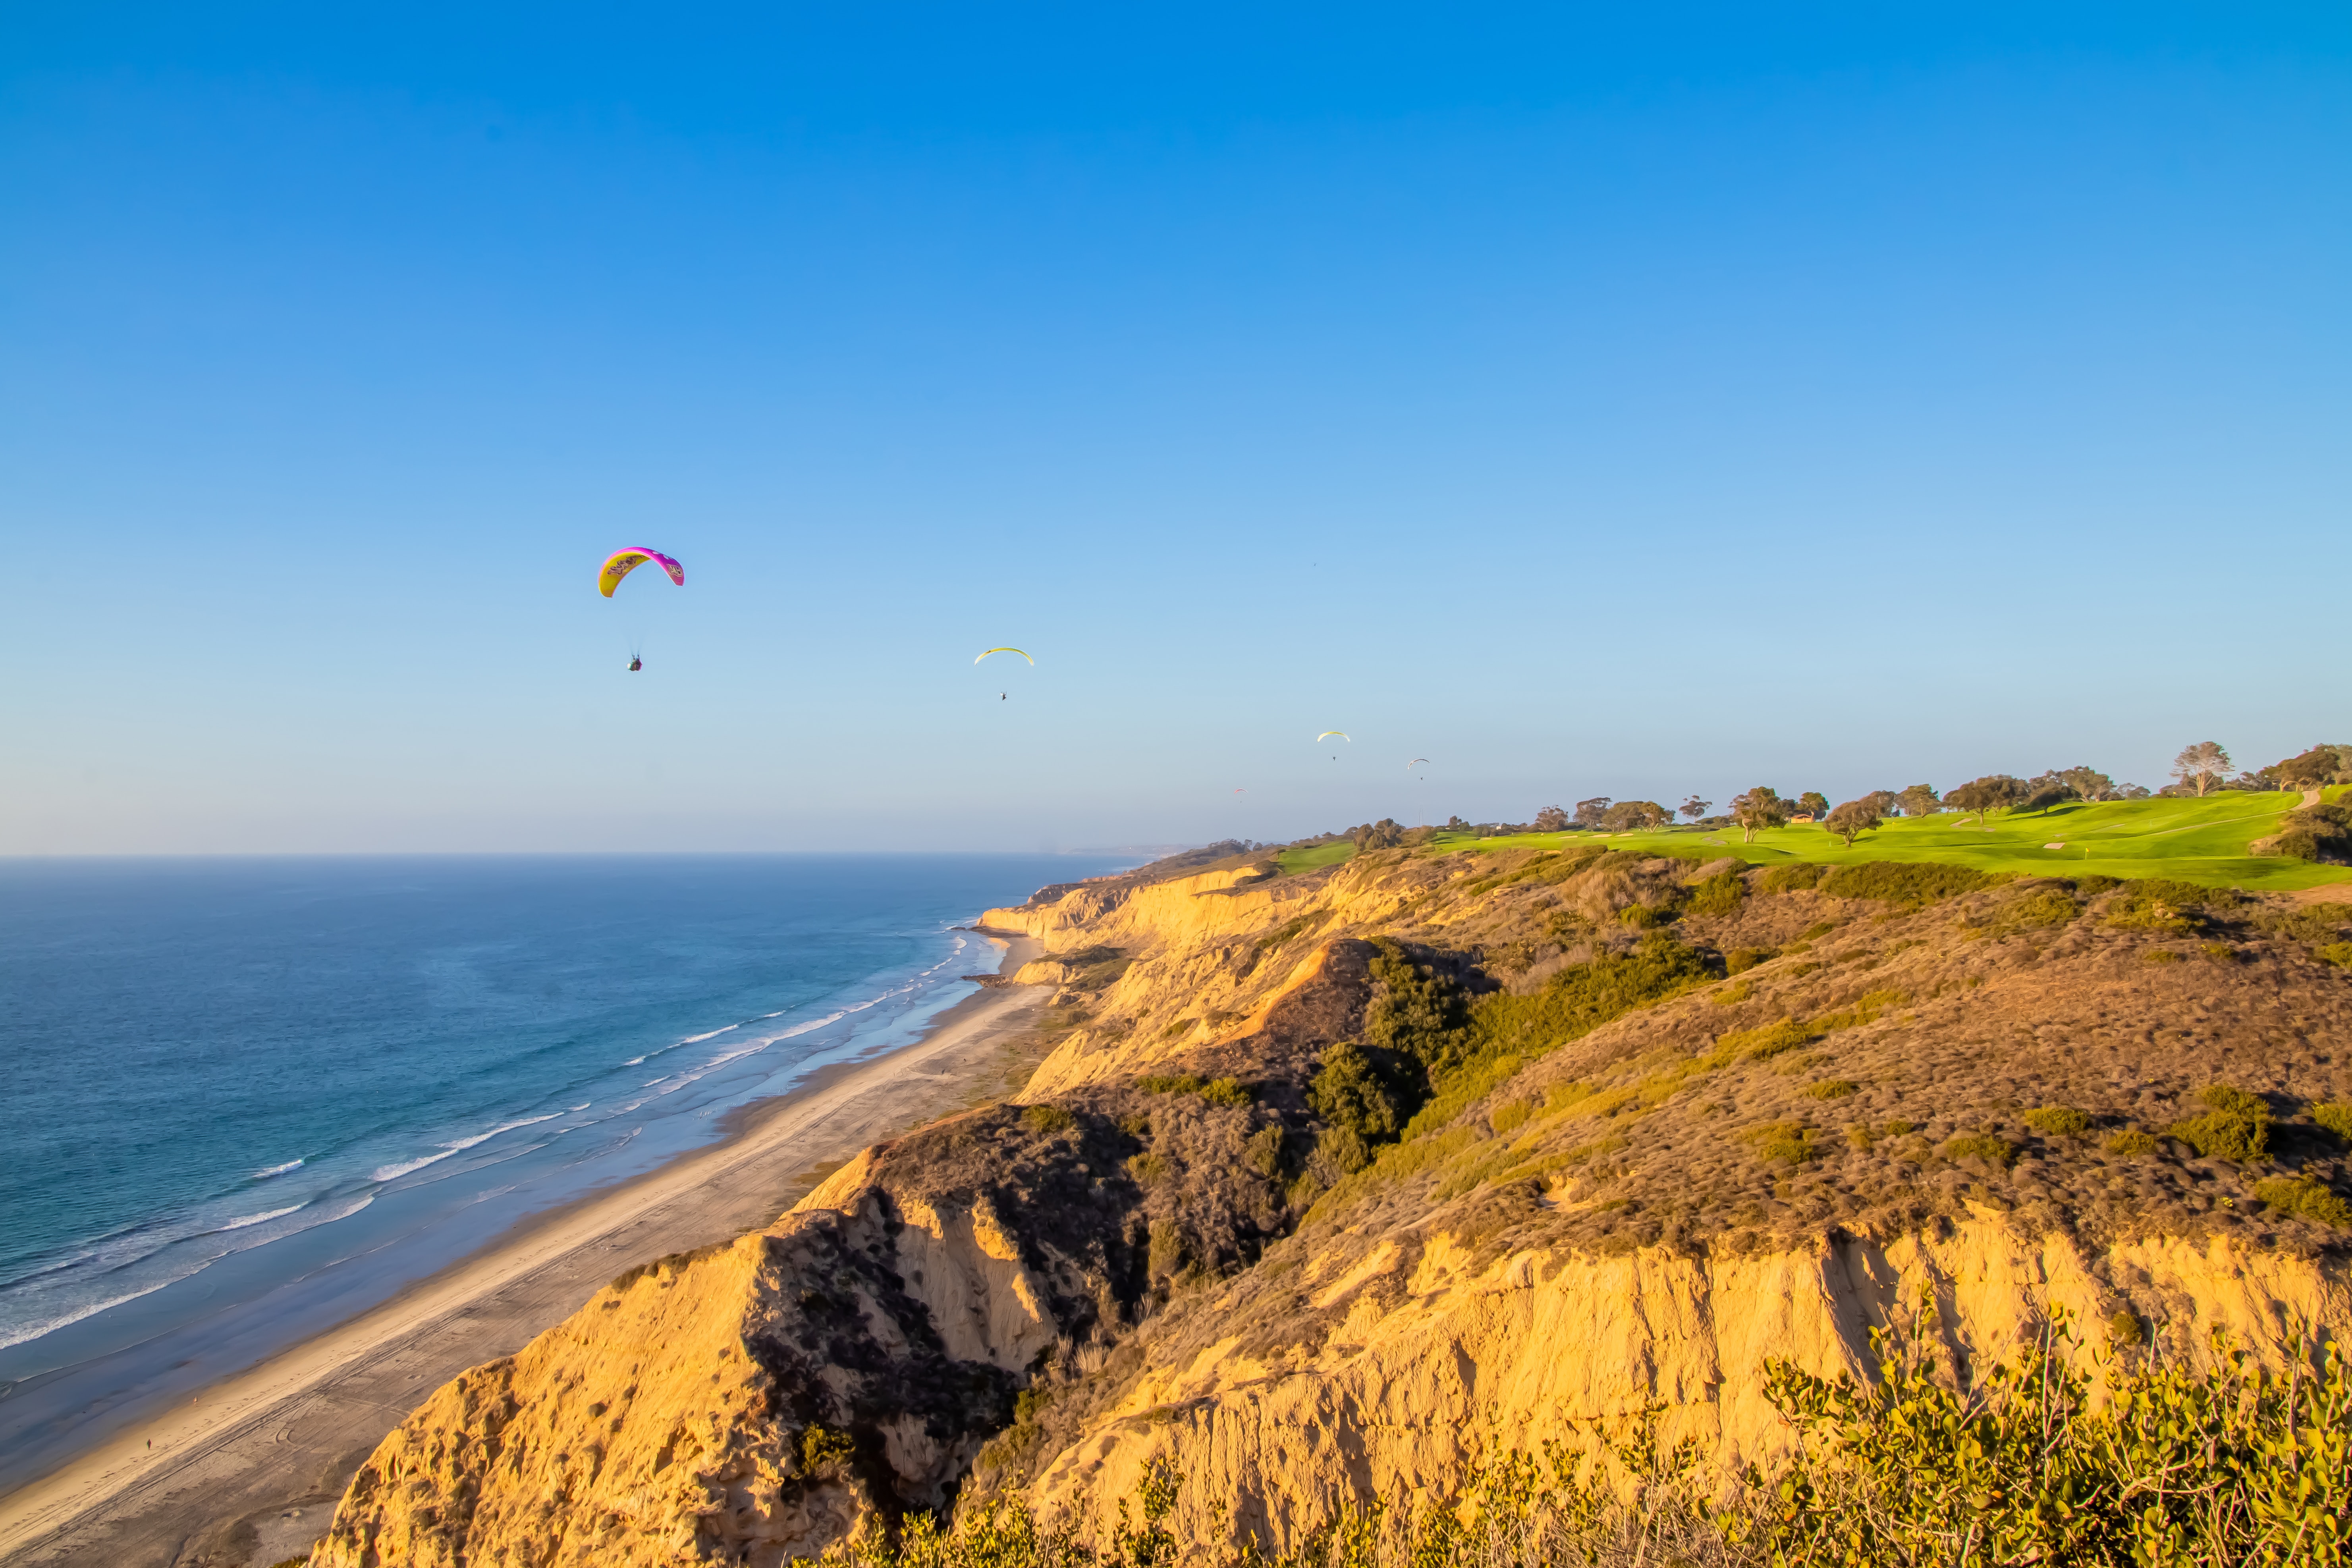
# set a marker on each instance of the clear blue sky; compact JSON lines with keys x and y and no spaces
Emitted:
{"x":1593,"y":400}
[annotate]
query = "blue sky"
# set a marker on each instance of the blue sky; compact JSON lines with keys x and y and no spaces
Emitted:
{"x":1836,"y":399}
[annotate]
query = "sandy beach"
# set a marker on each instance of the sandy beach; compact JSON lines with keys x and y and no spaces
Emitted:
{"x":248,"y":1471}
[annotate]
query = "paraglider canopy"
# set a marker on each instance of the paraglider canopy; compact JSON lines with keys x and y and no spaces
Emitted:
{"x":621,"y":563}
{"x":1033,"y":663}
{"x":1415,"y":762}
{"x":1342,"y":734}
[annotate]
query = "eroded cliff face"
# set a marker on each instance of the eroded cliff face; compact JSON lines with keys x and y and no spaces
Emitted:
{"x":1431,"y":1358}
{"x":1610,"y":1198}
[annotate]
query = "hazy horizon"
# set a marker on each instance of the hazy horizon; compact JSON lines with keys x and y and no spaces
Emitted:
{"x":1590,"y":404}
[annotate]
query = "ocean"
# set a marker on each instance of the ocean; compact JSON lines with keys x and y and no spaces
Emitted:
{"x":248,"y":1098}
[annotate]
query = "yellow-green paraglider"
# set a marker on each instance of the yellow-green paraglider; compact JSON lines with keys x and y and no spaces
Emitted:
{"x":985,"y":652}
{"x":621,"y":563}
{"x":1342,"y":734}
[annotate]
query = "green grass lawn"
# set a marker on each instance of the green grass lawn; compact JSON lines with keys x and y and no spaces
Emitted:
{"x":2194,"y":840}
{"x":1295,"y":860}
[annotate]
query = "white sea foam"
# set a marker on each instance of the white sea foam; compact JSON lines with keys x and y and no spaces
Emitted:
{"x":394,"y":1173}
{"x":278,"y":1169}
{"x":697,"y":1039}
{"x":19,"y":1335}
{"x":633,"y":1061}
{"x":191,"y":1264}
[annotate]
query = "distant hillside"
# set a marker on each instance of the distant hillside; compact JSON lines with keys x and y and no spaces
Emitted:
{"x":2190,"y":840}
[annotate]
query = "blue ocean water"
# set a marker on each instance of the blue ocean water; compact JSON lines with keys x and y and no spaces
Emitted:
{"x":248,"y":1099}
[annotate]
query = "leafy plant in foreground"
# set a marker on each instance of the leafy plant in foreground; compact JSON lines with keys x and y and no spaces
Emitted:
{"x":2181,"y":1467}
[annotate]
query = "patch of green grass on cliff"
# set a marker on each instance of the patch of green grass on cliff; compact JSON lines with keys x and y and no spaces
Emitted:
{"x":1294,"y":861}
{"x":2201,"y":841}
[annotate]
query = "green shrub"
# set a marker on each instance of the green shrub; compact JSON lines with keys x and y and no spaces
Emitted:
{"x":2338,"y":953}
{"x":1834,"y":1089}
{"x":2058,"y":1121}
{"x":2314,"y":833}
{"x":2158,"y":904}
{"x":2336,"y":1117}
{"x":1906,"y":884}
{"x":1047,"y":1119}
{"x":1739,"y":960}
{"x":2236,"y":1125}
{"x":1347,"y":1149}
{"x":1171,"y":1083}
{"x":1227,"y":1091}
{"x":2305,"y":1197}
{"x":1721,"y":894}
{"x":1990,"y":1148}
{"x":1790,"y":878}
{"x":1818,"y":929}
{"x":1366,"y":1091}
{"x":1641,"y":917}
{"x":2232,"y":1464}
{"x":1788,"y":1143}
{"x":821,"y":1448}
{"x":1262,"y":1152}
{"x":1167,"y":1253}
{"x":2295,"y":843}
{"x":1416,"y":1011}
{"x":2159,"y":955}
{"x":2132,"y":1144}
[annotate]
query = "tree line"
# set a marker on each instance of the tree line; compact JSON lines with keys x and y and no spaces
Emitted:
{"x":2201,"y":769}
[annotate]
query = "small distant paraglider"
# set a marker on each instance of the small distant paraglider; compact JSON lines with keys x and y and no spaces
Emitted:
{"x":1414,"y":763}
{"x":619,"y":564}
{"x":1003,"y":696}
{"x":1342,"y":734}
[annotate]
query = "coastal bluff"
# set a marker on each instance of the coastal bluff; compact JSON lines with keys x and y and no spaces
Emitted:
{"x":1330,"y":1182}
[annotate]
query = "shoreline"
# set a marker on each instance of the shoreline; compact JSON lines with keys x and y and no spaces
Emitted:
{"x":286,"y":1432}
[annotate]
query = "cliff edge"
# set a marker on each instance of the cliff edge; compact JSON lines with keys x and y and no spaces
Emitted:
{"x":1330,"y":1182}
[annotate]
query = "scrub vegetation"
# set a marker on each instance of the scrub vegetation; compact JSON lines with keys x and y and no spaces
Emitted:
{"x":2177,"y":1468}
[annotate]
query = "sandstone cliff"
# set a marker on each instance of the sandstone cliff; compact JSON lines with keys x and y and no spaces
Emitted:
{"x":1620,"y":1177}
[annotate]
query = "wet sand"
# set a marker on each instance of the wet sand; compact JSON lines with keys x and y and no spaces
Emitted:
{"x":248,"y":1471}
